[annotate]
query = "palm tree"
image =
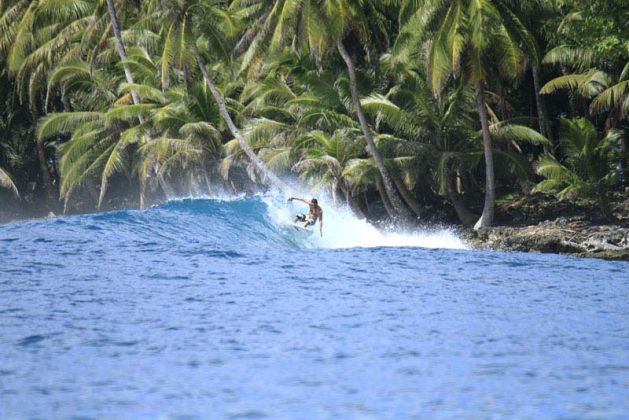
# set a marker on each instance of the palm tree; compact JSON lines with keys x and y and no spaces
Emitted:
{"x":102,"y":127}
{"x":608,"y":92}
{"x":532,"y":13}
{"x":438,"y":133}
{"x":120,"y":47}
{"x":441,"y":143}
{"x":31,"y":52}
{"x":325,"y":158}
{"x":107,"y":141}
{"x":189,"y":142}
{"x":296,"y":110}
{"x":472,"y":40}
{"x":587,"y":170}
{"x":321,"y":28}
{"x":192,"y":23}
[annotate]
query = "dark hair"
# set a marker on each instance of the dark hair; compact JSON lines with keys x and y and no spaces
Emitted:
{"x":314,"y":201}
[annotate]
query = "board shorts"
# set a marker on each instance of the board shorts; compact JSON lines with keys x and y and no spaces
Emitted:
{"x":303,"y":218}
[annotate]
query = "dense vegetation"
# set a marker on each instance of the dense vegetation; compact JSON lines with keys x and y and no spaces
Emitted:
{"x":396,"y":106}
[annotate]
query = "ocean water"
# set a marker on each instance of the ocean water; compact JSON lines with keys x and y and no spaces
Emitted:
{"x":210,"y":308}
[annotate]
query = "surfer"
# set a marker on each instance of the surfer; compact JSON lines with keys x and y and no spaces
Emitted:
{"x":315,"y":213}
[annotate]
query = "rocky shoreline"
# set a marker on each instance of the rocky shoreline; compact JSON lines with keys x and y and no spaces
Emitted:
{"x":539,"y":223}
{"x":561,"y":236}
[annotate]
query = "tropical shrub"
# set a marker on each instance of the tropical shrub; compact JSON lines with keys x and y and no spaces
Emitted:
{"x":588,"y":169}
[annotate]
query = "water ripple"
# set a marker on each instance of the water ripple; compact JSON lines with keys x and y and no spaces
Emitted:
{"x":204,"y":308}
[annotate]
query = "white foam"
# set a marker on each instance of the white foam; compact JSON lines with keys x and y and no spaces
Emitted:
{"x":342,"y":229}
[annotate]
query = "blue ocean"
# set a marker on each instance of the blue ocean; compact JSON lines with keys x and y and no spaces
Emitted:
{"x":218,"y":308}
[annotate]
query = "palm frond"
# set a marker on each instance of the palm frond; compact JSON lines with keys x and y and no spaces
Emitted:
{"x":612,"y":97}
{"x":67,"y":122}
{"x":517,"y":133}
{"x":262,"y":131}
{"x":577,"y":57}
{"x":7,"y":182}
{"x":145,"y":92}
{"x":201,"y":130}
{"x":588,"y":84}
{"x":277,"y":158}
{"x":557,"y":175}
{"x":115,"y":163}
{"x":129,"y":112}
{"x":360,"y":173}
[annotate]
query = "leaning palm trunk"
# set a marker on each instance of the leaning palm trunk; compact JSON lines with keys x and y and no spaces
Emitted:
{"x":122,"y":52}
{"x":234,"y":130}
{"x":354,"y":204}
{"x":407,"y":196}
{"x":7,"y":182}
{"x":544,"y":127}
{"x":487,"y":217}
{"x":121,"y":49}
{"x":351,"y":200}
{"x":383,"y":197}
{"x":464,"y":215}
{"x":389,"y":188}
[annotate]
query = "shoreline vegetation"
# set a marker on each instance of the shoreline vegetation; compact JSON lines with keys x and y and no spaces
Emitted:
{"x":508,"y":119}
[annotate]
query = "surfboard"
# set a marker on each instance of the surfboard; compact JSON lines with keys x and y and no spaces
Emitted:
{"x":302,"y":229}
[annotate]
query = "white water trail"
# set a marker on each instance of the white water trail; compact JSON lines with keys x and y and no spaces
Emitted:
{"x":342,"y":229}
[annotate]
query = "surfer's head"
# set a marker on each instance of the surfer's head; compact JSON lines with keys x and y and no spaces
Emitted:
{"x":314,"y":201}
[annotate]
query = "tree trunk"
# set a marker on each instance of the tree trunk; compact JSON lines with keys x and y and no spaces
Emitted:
{"x":464,"y":215}
{"x":366,"y":202}
{"x":625,"y":153}
{"x":122,"y":52}
{"x":121,"y":49}
{"x":354,"y":204}
{"x":66,"y":103}
{"x":42,"y":159}
{"x":385,"y":200}
{"x":544,"y":125}
{"x":410,"y":201}
{"x":43,"y":167}
{"x":389,"y":188}
{"x":487,"y":217}
{"x":235,"y":132}
{"x":142,"y":193}
{"x":611,"y":122}
{"x":351,"y":201}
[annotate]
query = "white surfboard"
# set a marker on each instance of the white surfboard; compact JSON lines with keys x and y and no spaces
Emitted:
{"x":301,"y":229}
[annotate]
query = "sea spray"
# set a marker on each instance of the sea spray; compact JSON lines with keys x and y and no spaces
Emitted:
{"x":342,"y":229}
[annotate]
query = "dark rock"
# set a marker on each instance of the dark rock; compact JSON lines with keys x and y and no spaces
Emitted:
{"x":563,"y":236}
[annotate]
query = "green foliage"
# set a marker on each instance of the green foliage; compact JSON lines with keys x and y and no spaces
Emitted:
{"x":588,"y":170}
{"x":65,"y":91}
{"x":598,"y":25}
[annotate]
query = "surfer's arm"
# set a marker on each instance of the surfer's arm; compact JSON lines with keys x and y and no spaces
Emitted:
{"x":299,"y":199}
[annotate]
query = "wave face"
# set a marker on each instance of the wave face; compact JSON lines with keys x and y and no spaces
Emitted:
{"x":264,"y":221}
{"x":237,"y":225}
